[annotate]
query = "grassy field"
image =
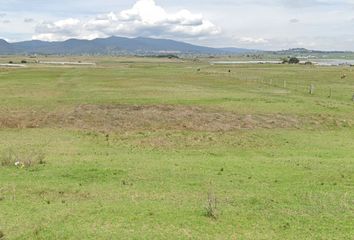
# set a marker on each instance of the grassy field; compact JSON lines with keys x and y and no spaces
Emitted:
{"x":143,"y":148}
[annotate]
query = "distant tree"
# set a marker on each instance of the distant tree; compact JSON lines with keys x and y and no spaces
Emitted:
{"x":11,"y":62}
{"x":294,"y":60}
{"x":169,"y":56}
{"x":23,"y":61}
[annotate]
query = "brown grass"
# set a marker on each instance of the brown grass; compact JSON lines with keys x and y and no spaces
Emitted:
{"x":118,"y":118}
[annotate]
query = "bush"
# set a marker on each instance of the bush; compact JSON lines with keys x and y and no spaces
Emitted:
{"x":169,"y":56}
{"x":23,"y":61}
{"x":294,"y":60}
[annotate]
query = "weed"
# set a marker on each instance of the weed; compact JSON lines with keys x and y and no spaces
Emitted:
{"x":211,"y":209}
{"x":21,"y":159}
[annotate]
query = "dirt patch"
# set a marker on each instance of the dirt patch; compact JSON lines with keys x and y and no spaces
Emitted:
{"x":150,"y":117}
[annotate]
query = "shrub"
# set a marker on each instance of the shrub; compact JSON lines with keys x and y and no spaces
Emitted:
{"x":294,"y":60}
{"x":169,"y":56}
{"x":23,"y":61}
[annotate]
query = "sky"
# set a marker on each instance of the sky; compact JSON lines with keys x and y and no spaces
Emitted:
{"x":255,"y":24}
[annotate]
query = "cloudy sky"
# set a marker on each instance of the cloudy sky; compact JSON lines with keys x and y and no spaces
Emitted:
{"x":260,"y":24}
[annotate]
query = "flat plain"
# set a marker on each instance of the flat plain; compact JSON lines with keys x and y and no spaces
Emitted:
{"x":149,"y":148}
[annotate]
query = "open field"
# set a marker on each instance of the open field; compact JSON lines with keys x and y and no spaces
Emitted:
{"x":147,"y":148}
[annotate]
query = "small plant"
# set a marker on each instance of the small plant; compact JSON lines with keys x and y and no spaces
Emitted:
{"x":7,"y":158}
{"x":2,"y":235}
{"x":311,"y":89}
{"x":211,"y":210}
{"x":21,"y":159}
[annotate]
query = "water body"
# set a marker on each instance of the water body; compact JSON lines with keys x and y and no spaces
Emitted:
{"x":68,"y":63}
{"x":333,"y":62}
{"x":245,"y":62}
{"x":12,"y":65}
{"x":318,"y":62}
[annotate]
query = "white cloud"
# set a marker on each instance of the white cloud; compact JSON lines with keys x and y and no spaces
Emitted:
{"x":251,"y":40}
{"x":28,"y":20}
{"x":59,"y":30}
{"x":145,"y":18}
{"x":294,"y":20}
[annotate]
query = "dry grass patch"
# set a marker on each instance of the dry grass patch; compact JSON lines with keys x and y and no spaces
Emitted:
{"x":120,"y":118}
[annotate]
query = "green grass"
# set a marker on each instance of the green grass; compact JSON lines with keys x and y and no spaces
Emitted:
{"x":153,"y":183}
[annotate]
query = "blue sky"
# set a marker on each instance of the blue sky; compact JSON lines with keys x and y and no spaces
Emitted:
{"x":261,"y":24}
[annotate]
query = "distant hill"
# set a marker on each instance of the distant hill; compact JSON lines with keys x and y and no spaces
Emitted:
{"x":5,"y":47}
{"x":307,"y":51}
{"x":112,"y":46}
{"x":136,"y":46}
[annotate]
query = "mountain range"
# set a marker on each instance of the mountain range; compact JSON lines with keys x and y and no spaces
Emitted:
{"x":112,"y":46}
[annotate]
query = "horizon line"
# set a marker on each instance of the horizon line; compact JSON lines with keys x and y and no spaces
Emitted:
{"x":181,"y":41}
